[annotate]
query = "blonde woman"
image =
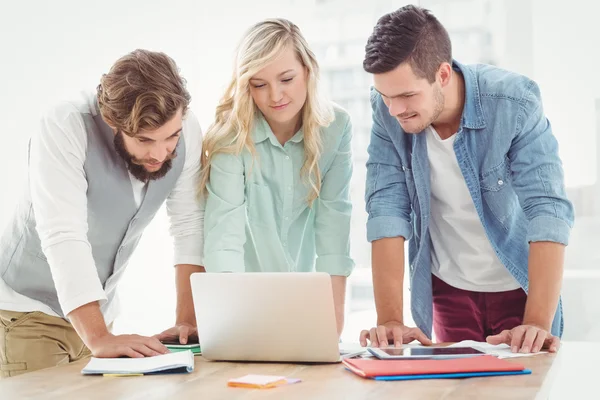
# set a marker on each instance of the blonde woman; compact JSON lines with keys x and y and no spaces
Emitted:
{"x":276,"y":166}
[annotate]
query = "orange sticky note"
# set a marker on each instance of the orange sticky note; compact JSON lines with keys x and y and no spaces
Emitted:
{"x":259,"y":381}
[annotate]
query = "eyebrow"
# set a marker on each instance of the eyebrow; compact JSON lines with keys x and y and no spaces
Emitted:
{"x":403,"y":94}
{"x":150,"y":139}
{"x":283,"y":73}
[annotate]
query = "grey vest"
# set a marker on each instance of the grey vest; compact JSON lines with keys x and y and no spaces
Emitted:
{"x":115,"y":223}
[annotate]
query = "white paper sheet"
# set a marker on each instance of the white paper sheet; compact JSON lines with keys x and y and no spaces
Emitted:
{"x":165,"y":362}
{"x":500,"y":350}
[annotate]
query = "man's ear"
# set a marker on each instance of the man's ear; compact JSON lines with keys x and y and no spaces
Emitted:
{"x":444,"y":74}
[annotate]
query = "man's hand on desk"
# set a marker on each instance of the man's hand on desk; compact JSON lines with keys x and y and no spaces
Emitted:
{"x":526,"y":339}
{"x":134,"y":346}
{"x":182,"y":333}
{"x":394,"y":332}
{"x":91,"y":327}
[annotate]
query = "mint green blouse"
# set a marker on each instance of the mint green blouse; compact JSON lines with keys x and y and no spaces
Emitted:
{"x":257,"y":217}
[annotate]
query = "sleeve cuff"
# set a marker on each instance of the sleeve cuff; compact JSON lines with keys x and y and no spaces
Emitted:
{"x":189,"y":259}
{"x":224,"y":261}
{"x":74,"y":274}
{"x":189,"y":250}
{"x":81,"y":299}
{"x":335,"y":265}
{"x":388,"y":227}
{"x":548,"y":229}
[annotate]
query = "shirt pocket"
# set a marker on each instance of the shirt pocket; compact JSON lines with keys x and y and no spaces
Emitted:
{"x":259,"y":206}
{"x":12,"y":319}
{"x":498,"y":193}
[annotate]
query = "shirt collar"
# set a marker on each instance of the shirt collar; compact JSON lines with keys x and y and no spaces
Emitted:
{"x":472,"y":117}
{"x":262,"y":132}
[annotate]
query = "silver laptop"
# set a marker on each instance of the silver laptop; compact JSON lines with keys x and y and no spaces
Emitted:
{"x":263,"y":316}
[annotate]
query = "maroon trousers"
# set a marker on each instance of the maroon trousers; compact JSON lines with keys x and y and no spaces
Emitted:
{"x":464,"y":315}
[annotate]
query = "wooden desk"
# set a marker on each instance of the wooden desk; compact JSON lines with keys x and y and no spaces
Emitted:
{"x":209,"y":381}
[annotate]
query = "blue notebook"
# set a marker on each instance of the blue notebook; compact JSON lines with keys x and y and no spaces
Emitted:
{"x":450,"y":376}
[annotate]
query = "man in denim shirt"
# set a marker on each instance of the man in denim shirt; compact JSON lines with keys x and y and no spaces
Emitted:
{"x":462,"y":164}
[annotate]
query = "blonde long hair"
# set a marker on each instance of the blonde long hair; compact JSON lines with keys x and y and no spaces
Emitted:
{"x":231,"y":131}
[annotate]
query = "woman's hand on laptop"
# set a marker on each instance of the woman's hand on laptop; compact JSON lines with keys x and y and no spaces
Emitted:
{"x":392,"y":332}
{"x":182,"y":333}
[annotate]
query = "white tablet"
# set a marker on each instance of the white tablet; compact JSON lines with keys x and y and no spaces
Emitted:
{"x":422,"y":353}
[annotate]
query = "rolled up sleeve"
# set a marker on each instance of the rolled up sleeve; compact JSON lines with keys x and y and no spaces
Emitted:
{"x":387,"y":199}
{"x":333,"y":212}
{"x":225,"y":220}
{"x":184,"y":208}
{"x":58,"y":193}
{"x":538,"y":176}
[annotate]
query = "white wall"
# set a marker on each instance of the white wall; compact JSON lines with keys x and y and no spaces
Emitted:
{"x":565,"y":61}
{"x":565,"y":64}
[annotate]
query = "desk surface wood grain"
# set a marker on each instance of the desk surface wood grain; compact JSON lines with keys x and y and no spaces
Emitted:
{"x":209,"y":381}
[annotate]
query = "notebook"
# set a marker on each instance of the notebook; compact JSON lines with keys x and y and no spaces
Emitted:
{"x":368,"y":368}
{"x":175,"y":348}
{"x":450,"y":376}
{"x":179,"y":362}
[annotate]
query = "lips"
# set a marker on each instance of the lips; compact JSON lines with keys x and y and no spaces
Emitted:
{"x":280,"y":107}
{"x":154,"y":165}
{"x":407,"y":117}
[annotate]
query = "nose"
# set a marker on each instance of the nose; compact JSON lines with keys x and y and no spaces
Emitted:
{"x":275,"y":93}
{"x":159,"y":152}
{"x":396,"y":107}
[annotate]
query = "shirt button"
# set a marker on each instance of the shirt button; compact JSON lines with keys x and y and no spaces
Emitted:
{"x":403,"y":168}
{"x":286,"y":218}
{"x":284,"y":244}
{"x":500,"y":182}
{"x":289,"y":188}
{"x":287,"y":157}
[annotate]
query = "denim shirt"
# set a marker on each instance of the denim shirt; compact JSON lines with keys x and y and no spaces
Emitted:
{"x":509,"y":159}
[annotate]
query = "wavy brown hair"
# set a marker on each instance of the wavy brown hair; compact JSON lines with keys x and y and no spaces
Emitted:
{"x":142,"y":91}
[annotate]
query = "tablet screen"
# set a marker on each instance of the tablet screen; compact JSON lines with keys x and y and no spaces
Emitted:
{"x":430,"y":351}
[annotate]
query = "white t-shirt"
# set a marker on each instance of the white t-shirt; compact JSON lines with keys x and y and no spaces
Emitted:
{"x":461,"y":254}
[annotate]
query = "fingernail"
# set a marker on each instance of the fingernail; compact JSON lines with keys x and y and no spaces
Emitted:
{"x":184,"y":340}
{"x":525,"y":349}
{"x":553,"y":349}
{"x":535,"y":350}
{"x":398,"y":344}
{"x":514,"y":349}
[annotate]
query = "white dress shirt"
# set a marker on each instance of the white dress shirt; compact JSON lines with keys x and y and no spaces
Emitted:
{"x":57,"y":155}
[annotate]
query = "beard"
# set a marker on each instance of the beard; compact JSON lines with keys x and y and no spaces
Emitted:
{"x":135,"y":166}
{"x":438,"y":107}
